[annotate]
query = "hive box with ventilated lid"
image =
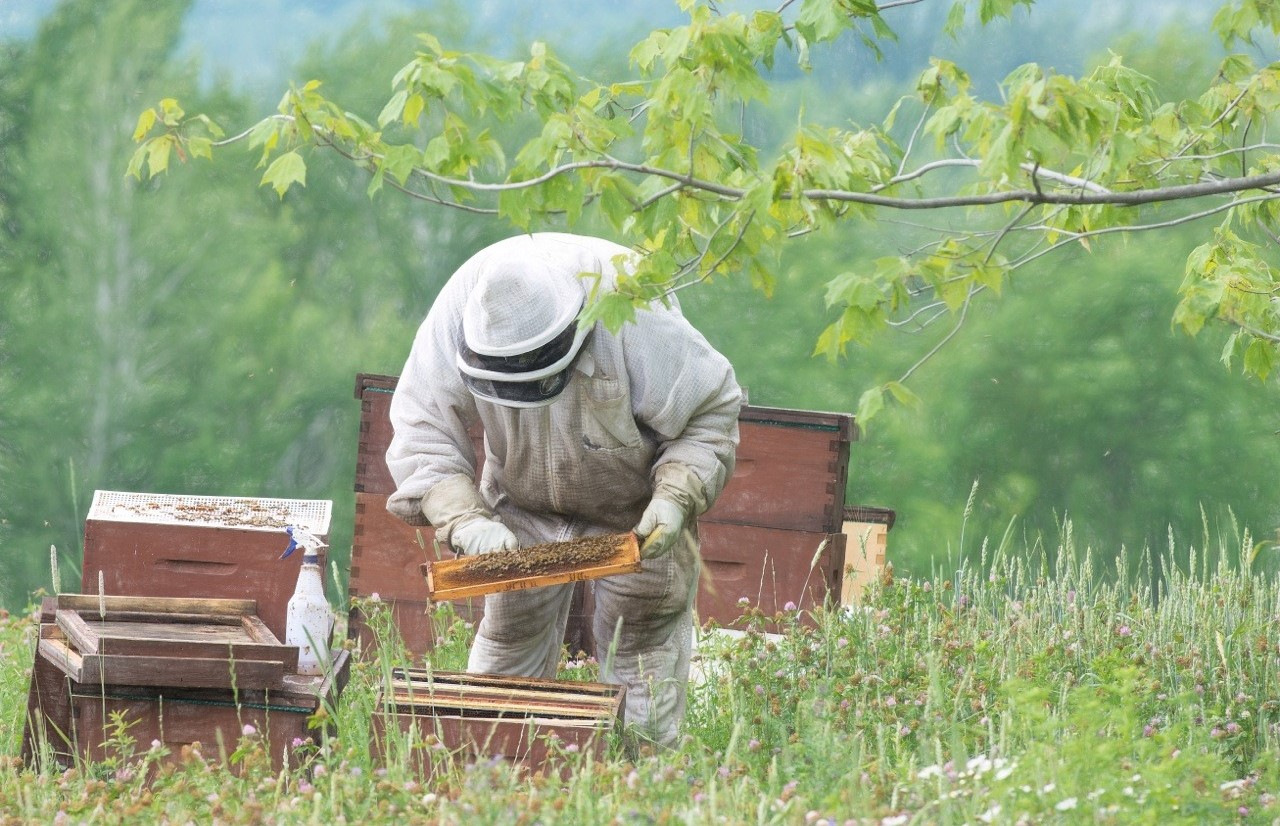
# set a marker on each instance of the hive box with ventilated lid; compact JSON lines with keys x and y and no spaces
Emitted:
{"x":163,"y":545}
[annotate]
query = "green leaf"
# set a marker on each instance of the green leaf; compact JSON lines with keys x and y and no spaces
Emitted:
{"x":284,"y":172}
{"x":871,"y":403}
{"x":903,"y":394}
{"x":614,"y":309}
{"x":200,"y":148}
{"x":158,"y":153}
{"x":393,"y":108}
{"x":413,"y":107}
{"x":136,"y":160}
{"x":1259,"y":358}
{"x":145,"y":121}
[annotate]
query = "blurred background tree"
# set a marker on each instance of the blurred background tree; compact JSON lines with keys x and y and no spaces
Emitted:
{"x":199,"y":335}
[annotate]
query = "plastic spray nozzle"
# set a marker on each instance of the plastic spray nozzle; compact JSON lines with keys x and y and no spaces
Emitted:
{"x":310,"y":543}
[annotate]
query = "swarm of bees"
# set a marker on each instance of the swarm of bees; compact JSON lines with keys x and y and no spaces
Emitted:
{"x":548,"y":558}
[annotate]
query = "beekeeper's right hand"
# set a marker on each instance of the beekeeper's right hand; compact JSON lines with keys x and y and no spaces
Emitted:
{"x":480,"y":536}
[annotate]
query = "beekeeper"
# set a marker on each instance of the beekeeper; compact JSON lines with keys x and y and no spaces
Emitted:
{"x":586,"y":432}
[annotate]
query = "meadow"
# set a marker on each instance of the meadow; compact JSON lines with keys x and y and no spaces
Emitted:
{"x":1027,"y":687}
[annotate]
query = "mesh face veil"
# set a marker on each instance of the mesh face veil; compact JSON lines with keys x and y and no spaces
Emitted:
{"x":520,"y":333}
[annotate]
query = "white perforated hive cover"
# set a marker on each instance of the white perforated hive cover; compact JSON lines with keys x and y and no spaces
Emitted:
{"x":249,"y":513}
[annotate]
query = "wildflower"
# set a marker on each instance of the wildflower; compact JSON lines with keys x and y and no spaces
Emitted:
{"x":842,"y":642}
{"x":891,"y":701}
{"x":1217,"y":733}
{"x":962,"y":600}
{"x":927,"y":587}
{"x":743,"y":601}
{"x":428,"y":798}
{"x":380,"y":771}
{"x":1233,"y":728}
{"x":929,"y":771}
{"x":759,"y":690}
{"x":1241,"y":697}
{"x":298,"y":742}
{"x":1071,"y":597}
{"x":895,"y":820}
{"x":698,"y":797}
{"x":212,"y":797}
{"x":356,"y":771}
{"x":1065,"y":804}
{"x":571,"y":748}
{"x":1243,"y":811}
{"x":1124,"y":631}
{"x":990,"y":814}
{"x":155,"y":745}
{"x":754,"y":745}
{"x":249,"y":730}
{"x":723,"y":771}
{"x":320,"y":770}
{"x":375,"y":597}
{"x":790,"y":606}
{"x":1148,"y":730}
{"x":305,"y":788}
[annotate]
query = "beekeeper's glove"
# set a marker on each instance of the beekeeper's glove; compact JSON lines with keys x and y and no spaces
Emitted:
{"x":659,"y":527}
{"x":480,"y":536}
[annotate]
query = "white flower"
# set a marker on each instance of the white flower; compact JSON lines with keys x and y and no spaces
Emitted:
{"x":929,"y":771}
{"x":990,"y":814}
{"x":1064,"y":805}
{"x":1048,"y":787}
{"x":979,"y":764}
{"x":896,"y":820}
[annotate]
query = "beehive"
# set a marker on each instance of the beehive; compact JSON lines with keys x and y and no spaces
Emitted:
{"x":177,"y":671}
{"x":774,"y":536}
{"x":164,"y":545}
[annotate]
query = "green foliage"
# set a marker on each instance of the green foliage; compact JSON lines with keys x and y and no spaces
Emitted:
{"x":1018,"y":689}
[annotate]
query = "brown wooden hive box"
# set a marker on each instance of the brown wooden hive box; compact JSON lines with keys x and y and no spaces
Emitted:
{"x":430,"y":716}
{"x":179,"y":671}
{"x":164,"y":545}
{"x":774,"y":536}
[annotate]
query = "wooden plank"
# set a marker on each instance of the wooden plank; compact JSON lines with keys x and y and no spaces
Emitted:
{"x":180,"y":672}
{"x":419,"y":705}
{"x":440,"y":693}
{"x":59,"y":654}
{"x":91,"y":603}
{"x":257,"y":631}
{"x":468,"y":678}
{"x":172,"y":636}
{"x":83,"y":638}
{"x":458,"y":578}
{"x":147,"y":617}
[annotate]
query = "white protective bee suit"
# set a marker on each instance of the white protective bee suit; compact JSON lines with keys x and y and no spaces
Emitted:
{"x":645,"y":414}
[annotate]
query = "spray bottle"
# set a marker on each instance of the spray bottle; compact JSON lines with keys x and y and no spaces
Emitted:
{"x":309,"y":619}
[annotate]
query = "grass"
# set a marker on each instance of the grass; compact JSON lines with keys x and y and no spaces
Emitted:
{"x":1016,"y":691}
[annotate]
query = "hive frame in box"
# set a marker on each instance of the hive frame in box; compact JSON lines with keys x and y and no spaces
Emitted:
{"x":476,"y":716}
{"x":228,"y":547}
{"x":785,"y":502}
